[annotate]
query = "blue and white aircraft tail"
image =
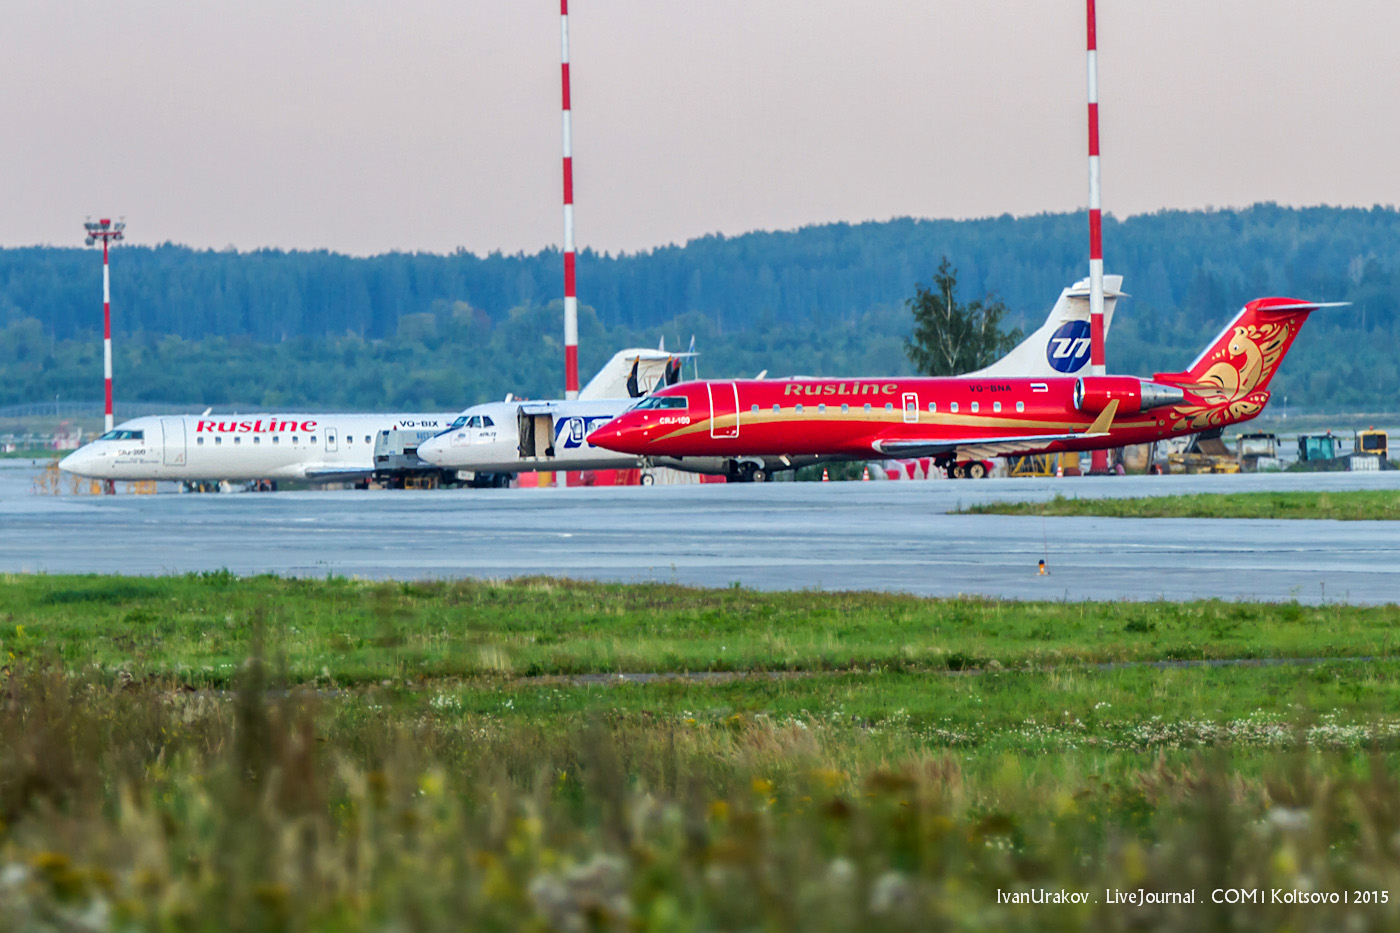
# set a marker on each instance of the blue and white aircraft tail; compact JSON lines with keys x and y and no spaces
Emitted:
{"x":1060,"y":347}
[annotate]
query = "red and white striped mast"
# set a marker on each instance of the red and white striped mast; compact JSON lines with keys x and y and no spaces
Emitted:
{"x":570,"y":297}
{"x":1098,"y":462}
{"x":106,"y":231}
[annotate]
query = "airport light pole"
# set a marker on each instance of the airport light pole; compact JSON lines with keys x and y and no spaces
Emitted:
{"x":1098,"y":459}
{"x":106,"y":231}
{"x":570,"y":298}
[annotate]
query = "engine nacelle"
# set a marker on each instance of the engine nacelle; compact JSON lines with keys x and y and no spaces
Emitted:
{"x":1093,"y":393}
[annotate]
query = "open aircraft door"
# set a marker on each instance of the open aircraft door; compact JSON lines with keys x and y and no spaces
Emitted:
{"x":536,"y":432}
{"x":174,"y":430}
{"x":724,"y":409}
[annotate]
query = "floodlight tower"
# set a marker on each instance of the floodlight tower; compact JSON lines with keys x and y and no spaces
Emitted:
{"x":570,"y":300}
{"x":1098,"y":460}
{"x":106,"y":231}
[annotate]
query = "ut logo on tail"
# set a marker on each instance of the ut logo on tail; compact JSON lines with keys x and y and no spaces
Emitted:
{"x":1068,"y":348}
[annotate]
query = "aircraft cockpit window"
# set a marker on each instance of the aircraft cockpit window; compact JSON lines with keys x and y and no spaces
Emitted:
{"x":123,"y":434}
{"x":475,"y":421}
{"x":461,"y":422}
{"x":663,"y":402}
{"x":486,"y":422}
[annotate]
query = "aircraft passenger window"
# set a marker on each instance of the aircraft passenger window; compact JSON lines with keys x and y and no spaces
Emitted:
{"x":953,"y":408}
{"x":238,"y":440}
{"x":798,"y":408}
{"x":867,"y":408}
{"x":311,"y":439}
{"x":777,"y":409}
{"x":366,"y":438}
{"x":754,"y":409}
{"x":845,"y":408}
{"x":349,"y":438}
{"x":295,"y":439}
{"x":199,"y":441}
{"x":974,"y":406}
{"x":889,"y":406}
{"x":256,"y":439}
{"x":1020,"y":406}
{"x":486,"y":422}
{"x":821,"y":409}
{"x":996,"y":406}
{"x":276,"y":438}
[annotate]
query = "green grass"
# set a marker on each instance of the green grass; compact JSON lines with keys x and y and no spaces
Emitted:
{"x":1358,"y":505}
{"x":208,"y":753}
{"x":197,"y":628}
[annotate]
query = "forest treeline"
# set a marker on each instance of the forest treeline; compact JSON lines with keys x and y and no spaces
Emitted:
{"x":275,"y":328}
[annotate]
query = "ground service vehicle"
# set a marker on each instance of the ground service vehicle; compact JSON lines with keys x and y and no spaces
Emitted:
{"x":1315,"y":447}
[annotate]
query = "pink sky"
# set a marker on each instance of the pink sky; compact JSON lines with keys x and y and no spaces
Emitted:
{"x":365,"y":127}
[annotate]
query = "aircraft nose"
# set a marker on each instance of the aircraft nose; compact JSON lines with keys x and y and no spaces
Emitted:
{"x":77,"y":462}
{"x":610,"y":436}
{"x":431,"y":451}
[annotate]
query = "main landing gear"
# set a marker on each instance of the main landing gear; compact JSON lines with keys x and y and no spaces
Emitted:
{"x":746,"y":471}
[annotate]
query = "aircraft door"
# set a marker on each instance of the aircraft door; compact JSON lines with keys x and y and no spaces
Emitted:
{"x":331,"y":439}
{"x":174,"y":430}
{"x":911,"y":408}
{"x":724,"y":409}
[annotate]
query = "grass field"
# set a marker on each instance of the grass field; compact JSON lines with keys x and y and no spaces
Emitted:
{"x":210,"y":753}
{"x":1349,"y":505}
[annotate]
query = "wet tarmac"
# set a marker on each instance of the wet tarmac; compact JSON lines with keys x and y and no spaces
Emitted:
{"x":833,"y":536}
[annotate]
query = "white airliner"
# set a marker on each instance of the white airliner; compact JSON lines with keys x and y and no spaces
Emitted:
{"x":314,"y":447}
{"x":515,"y":437}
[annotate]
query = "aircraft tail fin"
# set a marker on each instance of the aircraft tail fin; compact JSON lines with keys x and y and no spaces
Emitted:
{"x":635,"y":368}
{"x":1060,"y":346}
{"x":1229,"y":381}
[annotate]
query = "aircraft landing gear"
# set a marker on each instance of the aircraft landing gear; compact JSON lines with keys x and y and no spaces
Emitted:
{"x":648,"y":478}
{"x":746,"y":472}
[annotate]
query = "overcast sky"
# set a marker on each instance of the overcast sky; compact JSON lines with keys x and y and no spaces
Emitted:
{"x":431,"y":125}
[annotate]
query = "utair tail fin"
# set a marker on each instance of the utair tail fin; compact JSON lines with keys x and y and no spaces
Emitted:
{"x":1229,"y":381}
{"x":1060,"y":346}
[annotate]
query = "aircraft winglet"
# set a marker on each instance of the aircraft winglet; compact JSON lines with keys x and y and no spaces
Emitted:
{"x":1105,"y":419}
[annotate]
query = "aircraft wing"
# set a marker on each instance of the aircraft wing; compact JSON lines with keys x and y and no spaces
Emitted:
{"x":322,"y":474}
{"x":977,"y":448}
{"x":980,"y":448}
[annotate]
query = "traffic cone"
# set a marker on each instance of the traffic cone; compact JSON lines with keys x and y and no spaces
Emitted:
{"x":1059,"y":466}
{"x":865,"y":474}
{"x":825,"y":477}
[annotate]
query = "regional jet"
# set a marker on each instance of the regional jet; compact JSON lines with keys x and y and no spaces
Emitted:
{"x":966,"y":417}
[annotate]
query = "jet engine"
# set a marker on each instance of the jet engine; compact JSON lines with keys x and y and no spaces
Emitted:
{"x":1093,"y":393}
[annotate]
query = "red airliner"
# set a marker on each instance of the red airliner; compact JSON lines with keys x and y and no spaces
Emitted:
{"x":967,"y":417}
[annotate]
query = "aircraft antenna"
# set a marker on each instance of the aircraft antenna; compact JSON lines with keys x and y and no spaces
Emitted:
{"x":570,"y":299}
{"x":1097,"y":366}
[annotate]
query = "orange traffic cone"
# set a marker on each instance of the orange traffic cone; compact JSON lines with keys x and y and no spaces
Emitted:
{"x":865,"y":474}
{"x":1059,"y":467}
{"x":825,"y":477}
